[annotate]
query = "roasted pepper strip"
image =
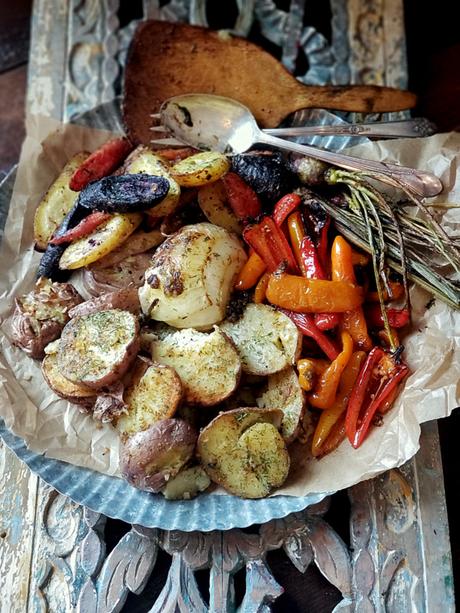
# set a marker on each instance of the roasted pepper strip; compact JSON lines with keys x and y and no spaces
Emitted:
{"x":284,"y":207}
{"x":260,"y":292}
{"x":313,"y":295}
{"x":396,"y":289}
{"x":353,"y":321}
{"x":251,"y":272}
{"x":326,"y":389}
{"x":242,"y":199}
{"x":100,"y":163}
{"x":330,"y":417}
{"x":319,"y":222}
{"x":269,"y":241}
{"x":397,"y":318}
{"x":309,"y":369}
{"x":296,"y":235}
{"x":305,"y":323}
{"x":85,"y":227}
{"x":336,"y":436}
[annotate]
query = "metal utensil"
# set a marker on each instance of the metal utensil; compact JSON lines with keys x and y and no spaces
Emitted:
{"x":209,"y":122}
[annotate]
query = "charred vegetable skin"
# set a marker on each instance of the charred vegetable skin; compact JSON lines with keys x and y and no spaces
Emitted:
{"x":124,"y":193}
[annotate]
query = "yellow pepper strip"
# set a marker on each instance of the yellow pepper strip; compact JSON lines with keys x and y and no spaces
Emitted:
{"x":353,"y":321}
{"x":309,"y":369}
{"x":330,"y":417}
{"x":260,"y":293}
{"x":336,"y":436}
{"x":326,"y":390}
{"x":251,"y":272}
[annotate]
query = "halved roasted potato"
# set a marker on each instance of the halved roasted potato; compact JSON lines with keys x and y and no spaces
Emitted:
{"x":136,"y":243}
{"x":192,"y":276}
{"x":243,"y":451}
{"x":130,"y":271}
{"x":212,"y":199}
{"x":266,"y":339}
{"x":188,"y":483}
{"x":154,"y":394}
{"x":208,"y":364}
{"x":99,"y":243}
{"x":73,"y":392}
{"x":200,"y":169}
{"x":56,"y":203}
{"x":97,"y":349}
{"x":143,"y":160}
{"x":284,"y":392}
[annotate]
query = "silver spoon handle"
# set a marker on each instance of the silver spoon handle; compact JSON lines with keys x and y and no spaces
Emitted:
{"x":422,"y":183}
{"x":408,"y":128}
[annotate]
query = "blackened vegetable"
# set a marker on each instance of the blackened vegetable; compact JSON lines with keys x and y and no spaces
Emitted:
{"x":266,"y":173}
{"x":124,"y":193}
{"x":49,"y":263}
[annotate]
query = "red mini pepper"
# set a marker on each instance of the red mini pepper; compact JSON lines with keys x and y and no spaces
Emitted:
{"x":242,"y":199}
{"x":306,"y":324}
{"x":85,"y":227}
{"x":270,"y":243}
{"x":284,"y":207}
{"x":100,"y":163}
{"x":397,"y":318}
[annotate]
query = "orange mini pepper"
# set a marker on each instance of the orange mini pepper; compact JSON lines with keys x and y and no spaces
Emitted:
{"x":260,"y":292}
{"x":313,"y":295}
{"x":309,"y":369}
{"x":330,"y":417}
{"x":326,"y":390}
{"x":336,"y":436}
{"x":396,"y":291}
{"x":251,"y":272}
{"x":353,"y":321}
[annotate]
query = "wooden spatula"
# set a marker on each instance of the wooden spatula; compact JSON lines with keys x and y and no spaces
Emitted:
{"x":168,"y":59}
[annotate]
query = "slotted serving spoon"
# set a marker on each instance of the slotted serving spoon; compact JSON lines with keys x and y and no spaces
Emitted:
{"x":217,"y":123}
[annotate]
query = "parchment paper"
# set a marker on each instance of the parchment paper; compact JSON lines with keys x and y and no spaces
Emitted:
{"x":57,"y":429}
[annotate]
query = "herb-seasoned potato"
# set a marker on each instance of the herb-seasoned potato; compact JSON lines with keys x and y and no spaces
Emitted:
{"x":97,"y":349}
{"x":192,"y":276}
{"x":188,"y":483}
{"x":136,"y":243}
{"x":154,"y":394}
{"x":284,"y":393}
{"x":73,"y":392}
{"x":266,"y":339}
{"x":130,"y":271}
{"x":148,"y":459}
{"x":243,"y":451}
{"x":200,"y":169}
{"x":56,"y":203}
{"x":212,"y":199}
{"x":124,"y":299}
{"x":143,"y":160}
{"x":99,"y":243}
{"x":207,"y":364}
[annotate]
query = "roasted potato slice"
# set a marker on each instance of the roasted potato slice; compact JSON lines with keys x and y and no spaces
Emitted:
{"x":99,"y":243}
{"x":200,"y":169}
{"x":136,"y":243}
{"x":97,"y":349}
{"x":284,"y":393}
{"x":192,"y":276}
{"x":212,"y":199}
{"x":56,"y":203}
{"x":208,"y":364}
{"x":73,"y":392}
{"x":143,"y":160}
{"x":148,"y":459}
{"x":266,"y":339}
{"x":131,"y":271}
{"x":154,"y":394}
{"x":243,"y":451}
{"x":124,"y":299}
{"x":187,"y":484}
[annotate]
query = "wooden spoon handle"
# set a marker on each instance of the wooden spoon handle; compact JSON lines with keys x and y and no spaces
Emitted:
{"x":358,"y":98}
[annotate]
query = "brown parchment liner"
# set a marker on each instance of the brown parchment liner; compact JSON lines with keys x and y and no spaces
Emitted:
{"x":56,"y":428}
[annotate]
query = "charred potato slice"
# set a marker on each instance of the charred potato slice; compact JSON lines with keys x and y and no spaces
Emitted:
{"x":192,"y":276}
{"x":187,"y":484}
{"x":200,"y":169}
{"x":207,"y":364}
{"x":73,"y":392}
{"x":284,"y":393}
{"x":97,"y":349}
{"x":242,"y":451}
{"x":154,"y":394}
{"x":56,"y":203}
{"x":266,"y":339}
{"x":148,"y":459}
{"x":143,"y":160}
{"x":212,"y":199}
{"x":99,"y":243}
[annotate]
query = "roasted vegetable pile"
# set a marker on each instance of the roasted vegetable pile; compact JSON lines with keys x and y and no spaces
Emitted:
{"x":222,"y":316}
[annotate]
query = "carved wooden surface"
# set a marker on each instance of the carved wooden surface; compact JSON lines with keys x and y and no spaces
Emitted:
{"x":52,"y":552}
